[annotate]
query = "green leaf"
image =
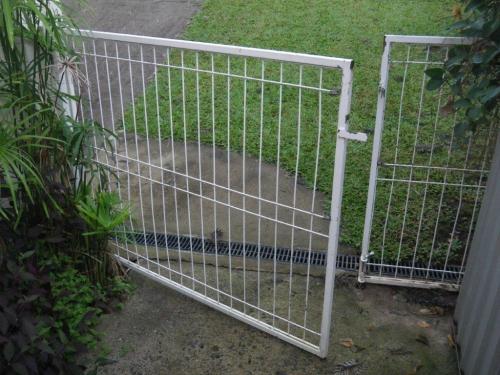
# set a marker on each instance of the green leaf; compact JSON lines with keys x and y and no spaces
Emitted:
{"x":434,"y":84}
{"x":462,"y":103}
{"x":20,"y":369}
{"x":474,"y":113}
{"x":4,"y":324}
{"x":461,"y":129}
{"x":475,"y":92}
{"x":9,"y":27}
{"x":8,"y":351}
{"x":435,"y":73}
{"x":478,"y":58}
{"x":472,"y":5}
{"x":490,"y":54}
{"x":490,"y":93}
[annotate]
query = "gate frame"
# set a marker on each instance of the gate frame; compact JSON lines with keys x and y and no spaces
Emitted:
{"x":343,"y":134}
{"x":363,"y":276}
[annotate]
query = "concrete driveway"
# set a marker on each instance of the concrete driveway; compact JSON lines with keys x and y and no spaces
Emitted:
{"x":159,"y":18}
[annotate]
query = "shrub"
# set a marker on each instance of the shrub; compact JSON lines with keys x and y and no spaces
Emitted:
{"x":31,"y":339}
{"x":472,"y":72}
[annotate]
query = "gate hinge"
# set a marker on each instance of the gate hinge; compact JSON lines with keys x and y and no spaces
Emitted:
{"x":362,"y":137}
{"x":364,"y":258}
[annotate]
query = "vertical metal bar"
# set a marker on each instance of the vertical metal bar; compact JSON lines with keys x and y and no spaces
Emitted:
{"x":171,"y":118}
{"x":335,"y":209}
{"x":275,"y":250}
{"x":260,"y":184}
{"x":197,"y":65}
{"x":89,"y":94}
{"x":160,"y":151}
{"x":214,"y":179}
{"x":244,"y":180}
{"x":292,"y":244}
{"x":148,"y":151}
{"x":125,"y":142}
{"x":229,"y":175}
{"x":111,"y":109}
{"x":377,"y":143}
{"x":137,"y":152}
{"x":184,"y":123}
{"x":311,"y":220}
{"x":101,"y":112}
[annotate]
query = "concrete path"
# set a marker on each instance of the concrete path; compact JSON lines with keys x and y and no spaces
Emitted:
{"x":156,"y":18}
{"x":160,"y":18}
{"x":233,"y":206}
{"x":393,"y":332}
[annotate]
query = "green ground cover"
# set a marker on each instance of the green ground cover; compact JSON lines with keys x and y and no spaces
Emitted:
{"x":344,"y":28}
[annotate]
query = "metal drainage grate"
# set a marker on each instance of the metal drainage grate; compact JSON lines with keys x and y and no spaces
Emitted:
{"x":283,"y":255}
{"x":300,"y":256}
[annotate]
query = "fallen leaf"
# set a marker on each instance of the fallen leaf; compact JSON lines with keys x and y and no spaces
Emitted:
{"x":414,"y":370}
{"x":357,"y":349}
{"x":423,"y":324}
{"x":348,"y":343}
{"x":432,"y":311}
{"x":437,"y":310}
{"x":422,"y":339}
{"x":451,"y":341}
{"x":399,"y":351}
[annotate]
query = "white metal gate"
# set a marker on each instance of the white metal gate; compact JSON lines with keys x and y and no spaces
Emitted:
{"x":228,"y":156}
{"x":426,"y":183}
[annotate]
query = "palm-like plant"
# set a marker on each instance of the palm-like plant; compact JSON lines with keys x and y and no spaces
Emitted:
{"x":46,"y":162}
{"x":103,"y":215}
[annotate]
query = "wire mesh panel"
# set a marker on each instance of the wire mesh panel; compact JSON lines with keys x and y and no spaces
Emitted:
{"x":427,"y":178}
{"x":225,"y":156}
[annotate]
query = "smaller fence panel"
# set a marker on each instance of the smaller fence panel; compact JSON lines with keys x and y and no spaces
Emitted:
{"x":225,"y":156}
{"x":427,"y":179}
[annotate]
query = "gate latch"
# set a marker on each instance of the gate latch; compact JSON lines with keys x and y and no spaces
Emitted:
{"x":362,"y":137}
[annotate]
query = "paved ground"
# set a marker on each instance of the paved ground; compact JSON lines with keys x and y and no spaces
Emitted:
{"x":160,"y":18}
{"x":157,"y":18}
{"x":393,"y":332}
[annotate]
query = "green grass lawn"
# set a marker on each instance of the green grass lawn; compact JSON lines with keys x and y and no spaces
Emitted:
{"x":342,"y":28}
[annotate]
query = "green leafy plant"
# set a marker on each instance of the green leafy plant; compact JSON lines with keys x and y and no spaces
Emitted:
{"x":54,"y":295}
{"x":103,"y":216}
{"x":31,"y":340}
{"x":472,"y":72}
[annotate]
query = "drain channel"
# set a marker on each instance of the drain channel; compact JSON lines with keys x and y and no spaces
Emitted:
{"x":300,"y":256}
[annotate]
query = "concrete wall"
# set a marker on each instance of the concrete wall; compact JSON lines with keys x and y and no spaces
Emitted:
{"x":478,"y":308}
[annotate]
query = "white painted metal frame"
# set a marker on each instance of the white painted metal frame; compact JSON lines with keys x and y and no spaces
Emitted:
{"x":367,"y":252}
{"x":343,"y":135}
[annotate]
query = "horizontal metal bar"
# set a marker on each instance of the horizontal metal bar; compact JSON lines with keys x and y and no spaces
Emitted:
{"x":394,"y":281}
{"x":210,"y":72}
{"x":416,"y":62}
{"x":431,"y":183}
{"x":223,"y":308}
{"x":423,"y":39}
{"x":361,"y":137}
{"x":435,"y":167}
{"x":413,"y":268}
{"x":292,"y":57}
